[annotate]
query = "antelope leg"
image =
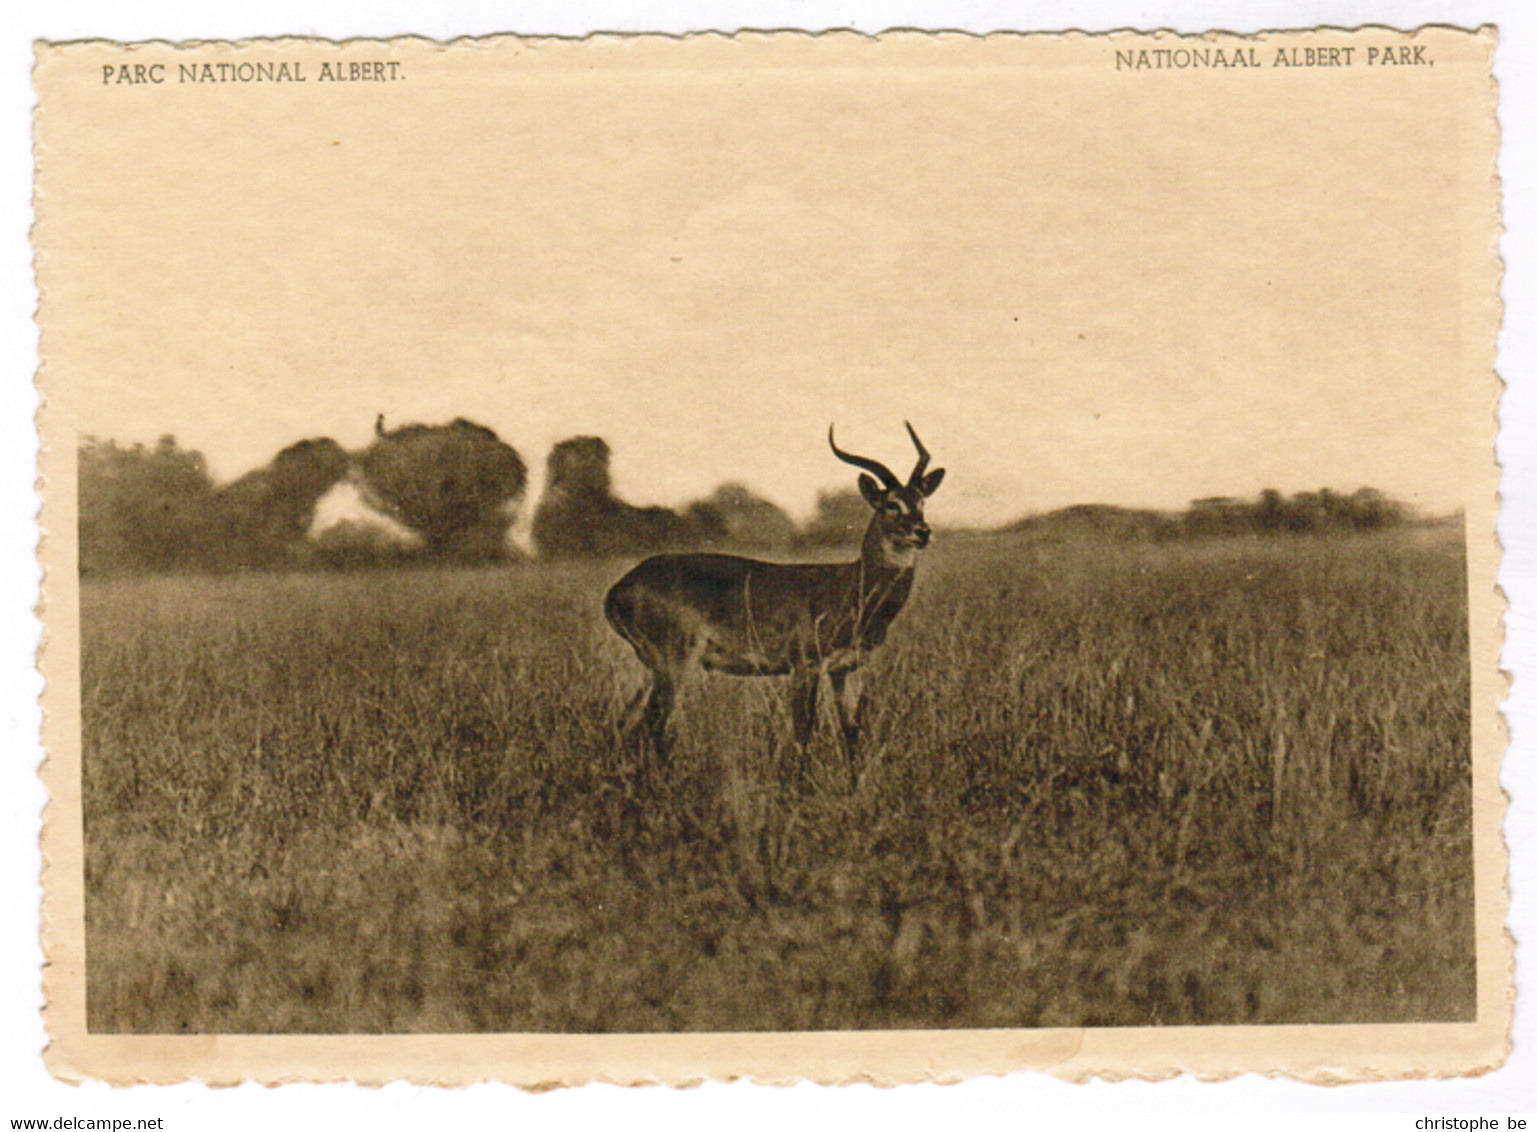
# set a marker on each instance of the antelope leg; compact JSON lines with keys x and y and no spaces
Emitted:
{"x":657,"y":715}
{"x":804,"y":683}
{"x":847,"y":687}
{"x":630,"y":718}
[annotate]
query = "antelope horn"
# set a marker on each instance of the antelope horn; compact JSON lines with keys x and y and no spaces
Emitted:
{"x":875,"y":467}
{"x":923,"y":458}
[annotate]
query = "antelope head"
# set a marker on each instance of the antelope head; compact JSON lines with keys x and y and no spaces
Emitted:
{"x":898,"y":530}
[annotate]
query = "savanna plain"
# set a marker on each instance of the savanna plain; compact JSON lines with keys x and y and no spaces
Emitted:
{"x":1104,"y":784}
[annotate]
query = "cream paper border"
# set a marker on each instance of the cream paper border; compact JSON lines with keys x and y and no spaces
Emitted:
{"x":1323,"y":1054}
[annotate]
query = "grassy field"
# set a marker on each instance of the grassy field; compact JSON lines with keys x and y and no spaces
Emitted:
{"x":1106,"y":785}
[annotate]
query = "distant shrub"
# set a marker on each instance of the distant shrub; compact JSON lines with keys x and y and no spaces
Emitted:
{"x":735,"y":517}
{"x":265,"y":515}
{"x":351,"y":545}
{"x":580,"y":517}
{"x":155,"y":510}
{"x":840,"y":520}
{"x":144,"y":509}
{"x":1220,"y":516}
{"x":1366,"y":509}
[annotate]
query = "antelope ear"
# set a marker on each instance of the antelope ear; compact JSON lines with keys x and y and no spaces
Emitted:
{"x":929,"y":484}
{"x":874,"y":494}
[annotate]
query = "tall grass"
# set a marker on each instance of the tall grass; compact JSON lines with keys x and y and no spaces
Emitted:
{"x":1104,"y":785}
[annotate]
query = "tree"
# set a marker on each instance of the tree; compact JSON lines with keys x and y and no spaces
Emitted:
{"x":734,"y":516}
{"x":457,"y":485}
{"x":1371,"y":510}
{"x":579,"y":516}
{"x":1270,"y":516}
{"x":267,"y":513}
{"x":143,"y":509}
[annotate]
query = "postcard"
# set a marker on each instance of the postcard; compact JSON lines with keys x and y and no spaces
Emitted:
{"x":775,"y":556}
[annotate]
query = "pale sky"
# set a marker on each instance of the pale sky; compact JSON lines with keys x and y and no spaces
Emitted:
{"x":1079,"y":285}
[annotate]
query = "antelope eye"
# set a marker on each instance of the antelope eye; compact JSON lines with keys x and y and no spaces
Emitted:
{"x":893,"y":507}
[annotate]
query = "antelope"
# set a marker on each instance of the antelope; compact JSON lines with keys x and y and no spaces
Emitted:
{"x":685,"y":612}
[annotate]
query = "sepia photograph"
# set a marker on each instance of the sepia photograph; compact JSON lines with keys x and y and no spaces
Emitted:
{"x":983,"y":546}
